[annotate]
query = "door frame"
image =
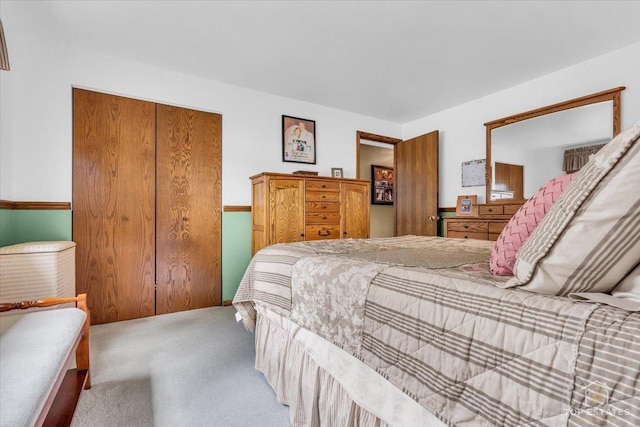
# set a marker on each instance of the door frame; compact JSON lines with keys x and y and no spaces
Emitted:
{"x":375,"y":138}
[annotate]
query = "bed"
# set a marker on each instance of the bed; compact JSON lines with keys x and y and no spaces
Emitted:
{"x":417,"y":331}
{"x":423,"y":315}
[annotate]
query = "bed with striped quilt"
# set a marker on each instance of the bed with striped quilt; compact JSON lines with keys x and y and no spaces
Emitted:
{"x":427,"y":316}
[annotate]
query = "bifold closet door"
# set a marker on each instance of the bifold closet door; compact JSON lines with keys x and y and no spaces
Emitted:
{"x":188,"y":209}
{"x":114,"y":204}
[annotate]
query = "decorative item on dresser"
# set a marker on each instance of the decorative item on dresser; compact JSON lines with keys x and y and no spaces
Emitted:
{"x":292,"y":208}
{"x":491,"y":220}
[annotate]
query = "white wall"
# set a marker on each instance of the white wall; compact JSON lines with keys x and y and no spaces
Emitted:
{"x":36,"y":116}
{"x":462,"y":131}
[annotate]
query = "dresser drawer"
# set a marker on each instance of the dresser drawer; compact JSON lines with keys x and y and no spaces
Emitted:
{"x":467,"y":226}
{"x":511,"y":209}
{"x":488,"y":210}
{"x":497,"y":226}
{"x":322,"y":196}
{"x":322,"y":186}
{"x":321,"y":232}
{"x":467,"y":235}
{"x":313,"y":207}
{"x":322,"y":218}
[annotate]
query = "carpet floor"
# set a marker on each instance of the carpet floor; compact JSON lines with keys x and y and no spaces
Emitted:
{"x":193,"y":368}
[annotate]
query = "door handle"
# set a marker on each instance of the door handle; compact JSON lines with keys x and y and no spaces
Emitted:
{"x":432,"y":218}
{"x":324,"y":233}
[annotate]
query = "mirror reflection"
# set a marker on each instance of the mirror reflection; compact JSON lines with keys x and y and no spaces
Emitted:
{"x":527,"y":154}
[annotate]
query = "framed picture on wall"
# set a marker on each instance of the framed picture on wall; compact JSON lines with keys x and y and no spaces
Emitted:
{"x":467,"y":206}
{"x":381,"y":185}
{"x":298,"y":140}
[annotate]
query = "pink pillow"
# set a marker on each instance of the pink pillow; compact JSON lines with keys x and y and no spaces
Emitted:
{"x":522,"y":224}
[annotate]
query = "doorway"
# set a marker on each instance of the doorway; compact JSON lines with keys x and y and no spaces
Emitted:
{"x":416,"y":175}
{"x":382,"y":218}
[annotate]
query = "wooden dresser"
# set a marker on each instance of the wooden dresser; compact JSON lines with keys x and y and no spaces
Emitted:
{"x":292,"y":208}
{"x":491,"y":219}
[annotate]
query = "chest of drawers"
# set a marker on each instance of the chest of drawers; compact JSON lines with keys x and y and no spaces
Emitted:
{"x":492,"y":218}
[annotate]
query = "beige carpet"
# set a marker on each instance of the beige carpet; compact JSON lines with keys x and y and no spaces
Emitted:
{"x":193,"y":368}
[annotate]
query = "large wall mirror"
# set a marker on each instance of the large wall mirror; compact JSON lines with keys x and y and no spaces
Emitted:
{"x":526,"y":150}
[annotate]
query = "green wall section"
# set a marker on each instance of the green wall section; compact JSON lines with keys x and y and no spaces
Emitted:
{"x":18,"y":226}
{"x":6,"y":227}
{"x":236,"y":250}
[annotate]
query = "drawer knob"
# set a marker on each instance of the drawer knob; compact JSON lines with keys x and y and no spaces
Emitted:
{"x":324,"y":196}
{"x":324,"y":185}
{"x":324,"y":206}
{"x":466,"y":226}
{"x":324,"y":232}
{"x":324,"y":217}
{"x":125,"y":218}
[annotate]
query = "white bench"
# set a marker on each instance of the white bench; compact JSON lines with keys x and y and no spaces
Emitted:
{"x":36,"y":386}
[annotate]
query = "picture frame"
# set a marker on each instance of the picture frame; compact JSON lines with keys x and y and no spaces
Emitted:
{"x":298,"y":140}
{"x":382,"y":185}
{"x":467,"y":205}
{"x":337,"y":173}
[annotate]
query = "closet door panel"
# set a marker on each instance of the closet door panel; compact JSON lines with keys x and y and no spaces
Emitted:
{"x":114,"y":204}
{"x":188,"y":214}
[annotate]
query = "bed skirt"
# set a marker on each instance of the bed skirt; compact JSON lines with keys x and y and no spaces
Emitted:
{"x":324,"y":385}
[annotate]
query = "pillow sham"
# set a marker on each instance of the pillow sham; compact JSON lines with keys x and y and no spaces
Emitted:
{"x":626,"y":294}
{"x":629,"y":287}
{"x":587,"y":242}
{"x":522,"y":224}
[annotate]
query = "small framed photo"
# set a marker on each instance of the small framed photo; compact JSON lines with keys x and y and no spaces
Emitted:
{"x":467,"y":206}
{"x":381,"y":185}
{"x":337,"y":173}
{"x":298,"y":140}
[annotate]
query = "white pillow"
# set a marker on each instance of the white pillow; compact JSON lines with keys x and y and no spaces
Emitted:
{"x":629,"y":287}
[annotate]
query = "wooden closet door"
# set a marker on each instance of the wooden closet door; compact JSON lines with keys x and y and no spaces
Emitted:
{"x":188,"y":214}
{"x":114,"y":204}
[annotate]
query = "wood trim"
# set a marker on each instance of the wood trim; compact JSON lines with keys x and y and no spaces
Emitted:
{"x":371,"y":137}
{"x":453,"y":209}
{"x":612,"y":95}
{"x":377,"y":138}
{"x":66,"y":399}
{"x":236,"y":208}
{"x":606,"y":95}
{"x":227,"y":302}
{"x":64,"y":206}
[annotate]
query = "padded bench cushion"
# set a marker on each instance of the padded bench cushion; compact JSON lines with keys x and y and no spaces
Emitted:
{"x":33,"y":353}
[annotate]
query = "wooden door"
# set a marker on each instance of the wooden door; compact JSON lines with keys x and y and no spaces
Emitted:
{"x":188,"y":209}
{"x":286,"y":210}
{"x":509,"y":178}
{"x":114,"y":204}
{"x":416,"y":181}
{"x":354,"y":215}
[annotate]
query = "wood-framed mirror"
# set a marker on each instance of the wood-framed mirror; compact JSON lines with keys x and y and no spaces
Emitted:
{"x":521,"y":158}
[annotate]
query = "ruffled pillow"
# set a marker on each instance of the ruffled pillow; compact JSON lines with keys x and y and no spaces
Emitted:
{"x":522,"y":224}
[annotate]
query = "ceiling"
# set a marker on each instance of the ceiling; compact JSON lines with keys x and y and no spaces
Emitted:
{"x":394,"y":60}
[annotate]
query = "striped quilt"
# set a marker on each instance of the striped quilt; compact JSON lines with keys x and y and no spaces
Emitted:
{"x":425,"y":313}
